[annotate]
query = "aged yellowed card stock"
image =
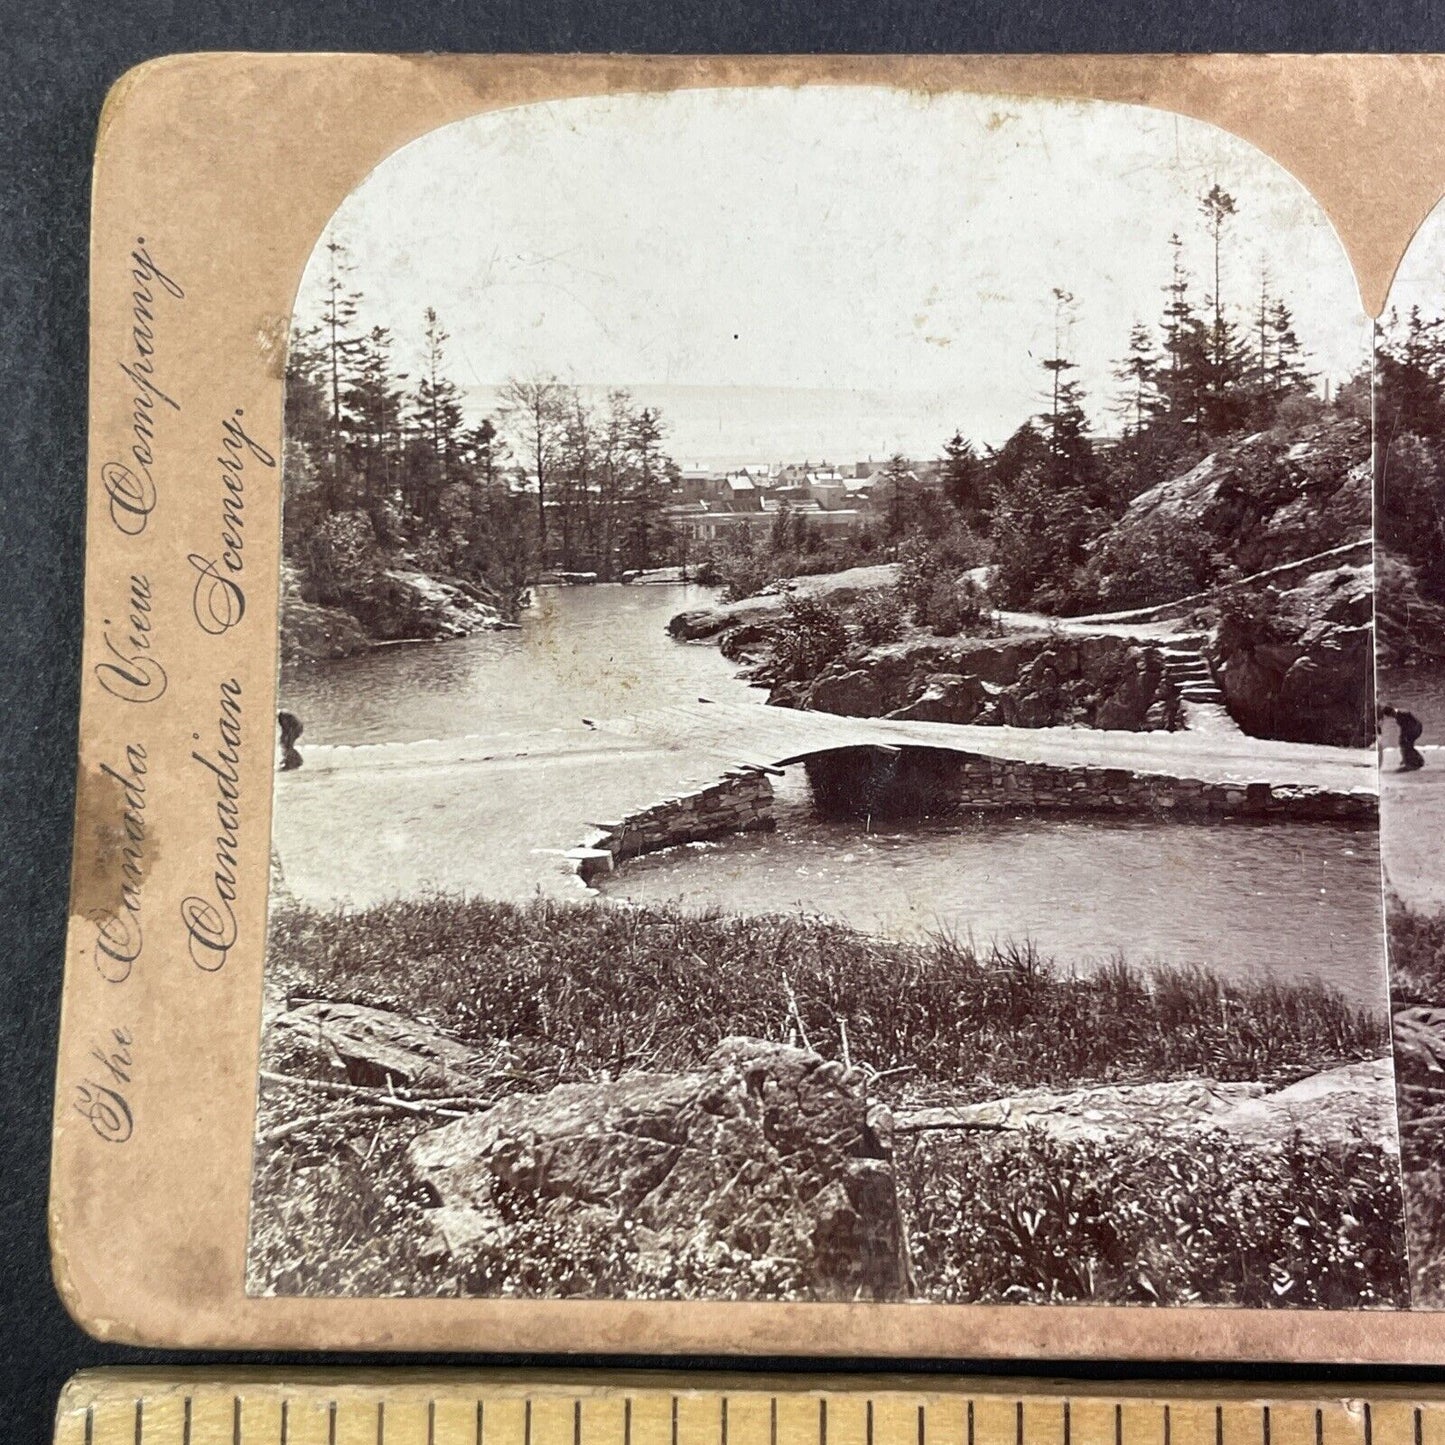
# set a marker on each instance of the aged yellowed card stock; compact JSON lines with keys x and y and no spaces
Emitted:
{"x":767,"y":704}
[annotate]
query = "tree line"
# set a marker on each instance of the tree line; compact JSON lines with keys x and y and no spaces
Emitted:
{"x":1410,"y":484}
{"x":384,"y":468}
{"x":1212,"y":365}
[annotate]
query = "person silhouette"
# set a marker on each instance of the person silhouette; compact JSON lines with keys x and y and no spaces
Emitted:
{"x":1410,"y":728}
{"x":290,"y":726}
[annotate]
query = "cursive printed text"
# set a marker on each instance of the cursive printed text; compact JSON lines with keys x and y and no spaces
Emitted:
{"x":130,"y":669}
{"x":118,"y":931}
{"x":209,"y":913}
{"x":101,"y":1097}
{"x":130,"y":487}
{"x":218,"y":601}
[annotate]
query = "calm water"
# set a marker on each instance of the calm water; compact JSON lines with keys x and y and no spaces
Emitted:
{"x":1291,"y":899}
{"x":581,"y":651}
{"x":1245,"y":899}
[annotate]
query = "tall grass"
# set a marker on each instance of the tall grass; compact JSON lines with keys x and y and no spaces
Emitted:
{"x":1417,"y":953}
{"x":573,"y":989}
{"x":1154,"y":1221}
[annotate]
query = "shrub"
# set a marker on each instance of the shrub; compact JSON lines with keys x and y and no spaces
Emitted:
{"x":751,"y":576}
{"x":1249,"y":617}
{"x":809,"y":635}
{"x":953,"y":607}
{"x":1417,"y":954}
{"x":878,"y":616}
{"x":1141,"y":564}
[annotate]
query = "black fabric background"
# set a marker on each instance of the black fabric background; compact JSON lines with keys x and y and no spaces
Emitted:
{"x":57,"y":60}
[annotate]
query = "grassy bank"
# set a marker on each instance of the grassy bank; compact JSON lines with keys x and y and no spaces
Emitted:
{"x":575,"y":988}
{"x":565,"y":992}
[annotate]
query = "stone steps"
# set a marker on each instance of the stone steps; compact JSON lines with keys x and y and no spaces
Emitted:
{"x":1187,"y":670}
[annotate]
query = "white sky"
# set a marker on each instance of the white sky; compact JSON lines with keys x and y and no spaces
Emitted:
{"x":833,"y":239}
{"x":1420,"y":280}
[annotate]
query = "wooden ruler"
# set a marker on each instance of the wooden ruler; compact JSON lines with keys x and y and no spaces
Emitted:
{"x":410,"y":1407}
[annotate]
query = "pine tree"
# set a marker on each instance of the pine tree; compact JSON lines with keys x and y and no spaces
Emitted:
{"x":1138,"y":373}
{"x":963,"y":477}
{"x":373,"y":416}
{"x":1286,"y":370}
{"x":895,"y":484}
{"x":1186,"y":351}
{"x":338,"y":320}
{"x":437,"y":411}
{"x":649,"y":489}
{"x":1066,"y":427}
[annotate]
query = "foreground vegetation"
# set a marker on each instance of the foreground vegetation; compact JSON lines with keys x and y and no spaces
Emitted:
{"x":565,"y":992}
{"x":1417,"y":979}
{"x":1019,"y":1218}
{"x":572,"y":989}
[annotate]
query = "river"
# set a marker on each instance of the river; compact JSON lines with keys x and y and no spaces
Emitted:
{"x":1248,"y":900}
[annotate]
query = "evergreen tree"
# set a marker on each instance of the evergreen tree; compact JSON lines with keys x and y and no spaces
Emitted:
{"x":1182,"y":378}
{"x":1138,"y":373}
{"x":1287,"y":372}
{"x":373,"y":403}
{"x":338,"y":332}
{"x":963,"y":479}
{"x":1065,"y":426}
{"x":1217,"y":207}
{"x":437,"y":413}
{"x":895,"y":483}
{"x":650,"y":486}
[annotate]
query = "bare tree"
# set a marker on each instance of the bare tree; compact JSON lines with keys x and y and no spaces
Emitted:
{"x":535,"y":408}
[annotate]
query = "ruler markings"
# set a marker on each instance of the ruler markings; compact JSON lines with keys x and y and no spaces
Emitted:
{"x":820,"y":1413}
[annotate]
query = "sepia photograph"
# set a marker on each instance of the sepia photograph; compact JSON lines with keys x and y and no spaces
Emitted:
{"x":828,"y":745}
{"x":1410,"y":612}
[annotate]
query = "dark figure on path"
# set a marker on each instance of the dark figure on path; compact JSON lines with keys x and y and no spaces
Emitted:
{"x":1410,"y":729}
{"x":290,"y":726}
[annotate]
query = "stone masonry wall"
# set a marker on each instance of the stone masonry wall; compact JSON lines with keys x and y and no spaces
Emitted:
{"x":741,"y":801}
{"x":919,"y":782}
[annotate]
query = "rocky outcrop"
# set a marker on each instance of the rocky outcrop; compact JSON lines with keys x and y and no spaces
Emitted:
{"x":1269,"y":498}
{"x":426,"y":607}
{"x":1029,"y":681}
{"x":766,"y":1158}
{"x":354,"y":1044}
{"x":1339,"y":1106}
{"x":1309,"y":676}
{"x":394,"y":606}
{"x":312,"y":633}
{"x":839,"y":588}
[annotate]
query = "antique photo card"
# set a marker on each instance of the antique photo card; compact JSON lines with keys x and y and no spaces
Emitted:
{"x":735,"y":702}
{"x":1410,"y":633}
{"x":961,"y":625}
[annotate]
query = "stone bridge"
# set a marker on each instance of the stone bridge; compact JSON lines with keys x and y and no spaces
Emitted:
{"x":885,"y":767}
